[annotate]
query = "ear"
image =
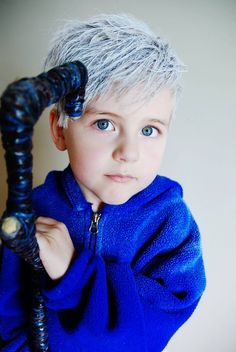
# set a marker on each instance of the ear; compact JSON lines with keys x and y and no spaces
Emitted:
{"x":57,"y":131}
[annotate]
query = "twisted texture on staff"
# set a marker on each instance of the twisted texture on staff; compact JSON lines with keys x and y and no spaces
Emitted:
{"x":22,"y":103}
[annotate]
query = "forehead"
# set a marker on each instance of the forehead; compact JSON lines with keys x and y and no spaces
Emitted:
{"x":160,"y":105}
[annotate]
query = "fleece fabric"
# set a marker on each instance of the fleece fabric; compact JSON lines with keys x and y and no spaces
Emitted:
{"x":129,"y":288}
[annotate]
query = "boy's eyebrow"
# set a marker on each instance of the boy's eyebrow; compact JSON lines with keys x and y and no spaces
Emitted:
{"x":92,"y":110}
{"x":164,"y":123}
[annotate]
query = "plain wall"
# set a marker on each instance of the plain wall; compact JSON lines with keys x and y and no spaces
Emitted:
{"x":201,"y":149}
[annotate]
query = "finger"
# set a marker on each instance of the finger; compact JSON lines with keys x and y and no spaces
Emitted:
{"x":41,"y":227}
{"x":43,"y":242}
{"x":45,"y":220}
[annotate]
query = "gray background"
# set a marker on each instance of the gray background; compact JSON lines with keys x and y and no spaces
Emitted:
{"x":201,"y":148}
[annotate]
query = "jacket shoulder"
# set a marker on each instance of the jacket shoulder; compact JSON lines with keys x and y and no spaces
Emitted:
{"x":50,"y":194}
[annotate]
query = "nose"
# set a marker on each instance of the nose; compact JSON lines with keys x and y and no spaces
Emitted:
{"x":126,"y":150}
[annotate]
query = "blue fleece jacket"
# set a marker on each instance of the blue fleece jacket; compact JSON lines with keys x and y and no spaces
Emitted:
{"x":130,"y":286}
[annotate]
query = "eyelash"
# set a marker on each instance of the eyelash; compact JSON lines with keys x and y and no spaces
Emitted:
{"x":109,"y":122}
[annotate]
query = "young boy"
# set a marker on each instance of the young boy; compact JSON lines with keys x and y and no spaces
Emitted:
{"x":119,"y":245}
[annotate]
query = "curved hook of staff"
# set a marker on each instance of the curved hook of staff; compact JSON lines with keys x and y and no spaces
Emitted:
{"x":22,"y":103}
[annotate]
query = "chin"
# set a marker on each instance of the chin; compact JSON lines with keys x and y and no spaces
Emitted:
{"x":118,"y":200}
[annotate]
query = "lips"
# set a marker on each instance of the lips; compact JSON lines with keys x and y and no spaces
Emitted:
{"x":120,"y":178}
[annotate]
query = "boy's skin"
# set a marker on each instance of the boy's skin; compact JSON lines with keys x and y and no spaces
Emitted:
{"x":114,"y":138}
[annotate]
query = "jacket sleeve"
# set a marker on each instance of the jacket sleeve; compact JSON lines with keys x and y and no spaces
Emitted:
{"x":13,"y":295}
{"x":134,"y":306}
{"x":171,"y":282}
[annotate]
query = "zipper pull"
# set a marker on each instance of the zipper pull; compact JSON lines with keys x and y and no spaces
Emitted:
{"x":94,"y":223}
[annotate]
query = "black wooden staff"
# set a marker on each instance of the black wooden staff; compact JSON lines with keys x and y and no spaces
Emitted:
{"x":22,"y":103}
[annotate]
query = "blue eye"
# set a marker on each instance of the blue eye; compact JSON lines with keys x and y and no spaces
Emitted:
{"x":104,"y":125}
{"x":150,"y":131}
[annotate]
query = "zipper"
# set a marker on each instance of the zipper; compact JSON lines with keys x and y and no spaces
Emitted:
{"x":93,"y":229}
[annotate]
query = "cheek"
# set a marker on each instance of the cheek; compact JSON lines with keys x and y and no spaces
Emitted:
{"x":88,"y":157}
{"x":153,"y":155}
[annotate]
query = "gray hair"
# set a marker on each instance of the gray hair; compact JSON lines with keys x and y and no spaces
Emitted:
{"x":116,"y":49}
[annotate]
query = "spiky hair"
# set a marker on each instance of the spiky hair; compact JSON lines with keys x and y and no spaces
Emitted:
{"x":116,"y":49}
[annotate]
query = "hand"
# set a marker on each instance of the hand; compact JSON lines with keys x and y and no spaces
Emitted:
{"x":56,"y":249}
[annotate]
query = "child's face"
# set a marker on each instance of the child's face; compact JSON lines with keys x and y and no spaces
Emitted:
{"x":116,"y":148}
